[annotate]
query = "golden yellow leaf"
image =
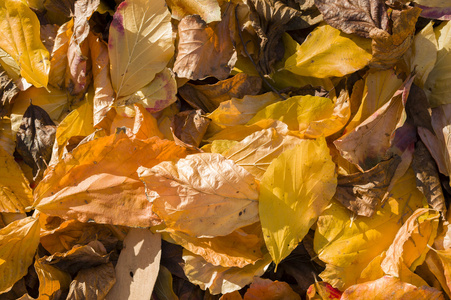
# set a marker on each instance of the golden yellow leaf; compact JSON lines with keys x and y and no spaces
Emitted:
{"x":445,"y":259}
{"x":295,"y":189}
{"x":145,"y":125}
{"x":266,"y":289}
{"x":135,"y":55}
{"x":51,"y":280}
{"x":15,"y":192}
{"x":203,"y":195}
{"x":9,"y":65}
{"x":18,"y":243}
{"x":98,"y":181}
{"x":389,"y":287}
{"x":348,"y":244}
{"x":341,"y":55}
{"x":20,"y":38}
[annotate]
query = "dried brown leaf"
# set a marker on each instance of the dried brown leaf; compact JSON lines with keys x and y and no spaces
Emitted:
{"x":190,"y":126}
{"x":8,"y":91}
{"x":93,"y":283}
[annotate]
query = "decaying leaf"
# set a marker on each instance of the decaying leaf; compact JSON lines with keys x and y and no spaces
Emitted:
{"x":354,"y":16}
{"x":18,"y":243}
{"x":295,"y":189}
{"x":20,"y":38}
{"x":321,"y":291}
{"x":8,"y":91}
{"x":52,"y":281}
{"x":135,"y":55}
{"x":35,"y":139}
{"x":203,"y":195}
{"x":190,"y":126}
{"x":138,"y":265}
{"x":204,"y":50}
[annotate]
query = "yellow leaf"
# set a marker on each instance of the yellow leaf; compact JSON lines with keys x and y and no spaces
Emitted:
{"x":295,"y":189}
{"x":58,"y":61}
{"x":410,"y":245}
{"x":445,"y":259}
{"x":145,"y":125}
{"x":389,"y":287}
{"x":256,"y":152}
{"x":219,"y":146}
{"x":349,"y":244}
{"x":98,"y":181}
{"x":341,"y":55}
{"x":18,"y":243}
{"x":15,"y":191}
{"x":51,"y":280}
{"x":7,"y":138}
{"x":20,"y":38}
{"x":140,"y":44}
{"x":9,"y":65}
{"x":203,"y":195}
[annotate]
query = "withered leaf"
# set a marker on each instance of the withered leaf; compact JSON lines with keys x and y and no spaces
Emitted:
{"x":8,"y":91}
{"x":35,"y":139}
{"x":362,"y":192}
{"x":418,"y":109}
{"x":190,"y":126}
{"x":354,"y":16}
{"x":208,"y":97}
{"x":428,"y":181}
{"x":83,"y":9}
{"x":93,"y":283}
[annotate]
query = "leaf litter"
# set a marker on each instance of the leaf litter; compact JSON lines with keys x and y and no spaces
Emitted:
{"x":245,"y":149}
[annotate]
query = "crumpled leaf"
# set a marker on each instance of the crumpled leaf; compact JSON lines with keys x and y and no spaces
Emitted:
{"x":208,"y":10}
{"x":354,"y":16}
{"x":221,"y":280}
{"x":428,"y":181}
{"x":137,"y":266}
{"x":411,"y":243}
{"x":294,"y":191}
{"x":266,"y":289}
{"x":92,"y":283}
{"x":35,"y":139}
{"x":8,"y":91}
{"x":342,"y":54}
{"x":18,"y":243}
{"x":58,"y":57}
{"x":389,"y":48}
{"x":363,"y":192}
{"x":20,"y":38}
{"x":83,"y":10}
{"x":257,"y":151}
{"x":190,"y":126}
{"x":15,"y":192}
{"x":96,"y":178}
{"x":322,"y":291}
{"x":205,"y":50}
{"x":389,"y":287}
{"x":237,"y":249}
{"x":203,"y":195}
{"x":135,"y":56}
{"x":52,"y":282}
{"x":359,"y":240}
{"x":209,"y":97}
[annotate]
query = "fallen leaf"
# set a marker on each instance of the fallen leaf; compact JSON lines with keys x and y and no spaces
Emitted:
{"x":190,"y":126}
{"x":209,"y":97}
{"x":258,"y":150}
{"x":18,"y":243}
{"x":20,"y":38}
{"x":145,"y":125}
{"x":135,"y":56}
{"x":83,"y":10}
{"x":343,"y":54}
{"x":79,"y":69}
{"x":8,"y":91}
{"x":92,"y":283}
{"x":163,"y":286}
{"x":209,"y":44}
{"x":7,"y":138}
{"x":354,"y":16}
{"x":266,"y":289}
{"x":138,"y":265}
{"x":52,"y":282}
{"x":203,"y":195}
{"x":389,"y":287}
{"x":322,"y":291}
{"x":295,"y":189}
{"x":363,"y":192}
{"x":58,"y":57}
{"x":433,"y":3}
{"x":35,"y":139}
{"x":208,"y":10}
{"x":437,"y":13}
{"x":96,"y":178}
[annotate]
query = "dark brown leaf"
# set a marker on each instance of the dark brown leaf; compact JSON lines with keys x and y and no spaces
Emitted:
{"x":93,"y":283}
{"x":8,"y":91}
{"x":362,"y":192}
{"x":418,"y":109}
{"x":35,"y":139}
{"x":428,"y":181}
{"x":190,"y":126}
{"x":208,"y":97}
{"x":354,"y":16}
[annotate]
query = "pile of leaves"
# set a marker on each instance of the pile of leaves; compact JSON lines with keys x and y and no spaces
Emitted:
{"x":215,"y":149}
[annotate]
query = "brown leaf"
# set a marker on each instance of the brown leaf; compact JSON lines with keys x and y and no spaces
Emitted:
{"x":362,"y":192}
{"x":138,"y":265}
{"x":428,"y":181}
{"x":389,"y":48}
{"x":204,"y":50}
{"x":8,"y":91}
{"x":35,"y":139}
{"x":93,"y":283}
{"x":58,"y":61}
{"x":63,"y":8}
{"x":190,"y":126}
{"x":418,"y":109}
{"x":354,"y":16}
{"x":208,"y":97}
